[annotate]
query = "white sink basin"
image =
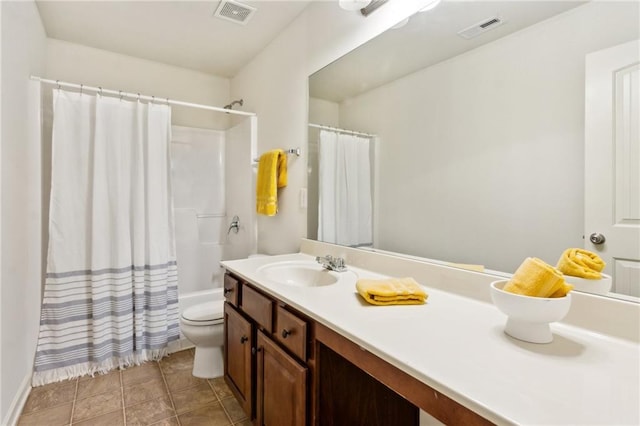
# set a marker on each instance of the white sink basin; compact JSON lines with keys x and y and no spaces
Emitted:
{"x":299,"y":273}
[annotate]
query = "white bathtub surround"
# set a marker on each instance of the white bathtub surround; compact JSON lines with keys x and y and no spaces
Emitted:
{"x":198,"y":172}
{"x":197,"y":161}
{"x":240,"y":194}
{"x":198,"y":261}
{"x":111,"y":296}
{"x":212,"y":175}
{"x":589,"y":374}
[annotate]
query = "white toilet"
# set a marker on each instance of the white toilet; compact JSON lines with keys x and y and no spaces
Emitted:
{"x":203,"y":326}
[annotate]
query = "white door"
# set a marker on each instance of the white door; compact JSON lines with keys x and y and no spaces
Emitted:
{"x":612,"y":162}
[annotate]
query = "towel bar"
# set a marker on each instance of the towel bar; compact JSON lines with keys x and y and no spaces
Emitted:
{"x":294,"y":151}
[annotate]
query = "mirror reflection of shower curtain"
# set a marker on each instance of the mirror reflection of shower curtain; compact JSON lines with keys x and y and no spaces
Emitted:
{"x":345,"y":207}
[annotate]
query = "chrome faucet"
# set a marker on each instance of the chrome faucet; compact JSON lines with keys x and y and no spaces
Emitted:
{"x":332,"y":263}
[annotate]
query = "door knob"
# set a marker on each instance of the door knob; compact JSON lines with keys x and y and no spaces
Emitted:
{"x":597,"y":238}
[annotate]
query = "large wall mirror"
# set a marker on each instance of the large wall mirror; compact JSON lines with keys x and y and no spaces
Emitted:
{"x":473,"y":121}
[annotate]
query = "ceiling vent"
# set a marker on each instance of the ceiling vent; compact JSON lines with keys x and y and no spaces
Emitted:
{"x":233,"y":11}
{"x":481,"y":27}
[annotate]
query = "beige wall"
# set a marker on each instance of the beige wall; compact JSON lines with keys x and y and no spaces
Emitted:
{"x":23,"y":53}
{"x":95,"y":67}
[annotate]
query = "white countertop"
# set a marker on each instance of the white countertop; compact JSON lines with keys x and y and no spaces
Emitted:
{"x":456,"y":345}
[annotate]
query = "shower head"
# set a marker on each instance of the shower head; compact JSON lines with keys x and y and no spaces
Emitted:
{"x":230,"y":106}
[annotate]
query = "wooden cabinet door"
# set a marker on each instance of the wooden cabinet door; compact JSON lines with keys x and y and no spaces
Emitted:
{"x":281,"y":389}
{"x":238,"y":336}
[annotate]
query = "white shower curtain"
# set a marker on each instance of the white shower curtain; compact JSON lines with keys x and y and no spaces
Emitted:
{"x":111,"y":294}
{"x":345,"y":208}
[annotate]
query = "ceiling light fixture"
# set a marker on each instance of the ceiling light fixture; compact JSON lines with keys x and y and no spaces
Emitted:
{"x":353,"y":4}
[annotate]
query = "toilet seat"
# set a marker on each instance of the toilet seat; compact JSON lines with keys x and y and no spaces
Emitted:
{"x":208,"y":313}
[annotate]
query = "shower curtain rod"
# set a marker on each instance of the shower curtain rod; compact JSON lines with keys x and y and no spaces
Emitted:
{"x":138,"y":96}
{"x":337,"y":129}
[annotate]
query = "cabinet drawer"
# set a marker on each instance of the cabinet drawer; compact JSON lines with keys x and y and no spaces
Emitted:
{"x":291,"y":332}
{"x":231,"y":290}
{"x":258,"y":307}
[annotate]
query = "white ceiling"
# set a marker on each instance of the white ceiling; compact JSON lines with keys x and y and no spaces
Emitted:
{"x":181,"y":33}
{"x":427,"y":39}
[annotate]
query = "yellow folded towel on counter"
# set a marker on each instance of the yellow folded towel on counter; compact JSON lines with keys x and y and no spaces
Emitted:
{"x":392,"y":291}
{"x":581,"y":263}
{"x":536,"y":278}
{"x":272,"y":174}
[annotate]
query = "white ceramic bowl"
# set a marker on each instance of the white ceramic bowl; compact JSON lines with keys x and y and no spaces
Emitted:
{"x":601,"y":286}
{"x":529,"y":317}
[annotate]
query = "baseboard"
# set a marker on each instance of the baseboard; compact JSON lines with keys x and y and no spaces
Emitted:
{"x":13,"y":414}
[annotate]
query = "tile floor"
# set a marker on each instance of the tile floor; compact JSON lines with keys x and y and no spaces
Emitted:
{"x":155,"y":393}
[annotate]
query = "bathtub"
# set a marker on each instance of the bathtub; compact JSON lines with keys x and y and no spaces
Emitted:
{"x":190,"y":299}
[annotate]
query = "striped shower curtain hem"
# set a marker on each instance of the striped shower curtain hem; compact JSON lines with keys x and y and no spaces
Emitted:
{"x":93,"y":321}
{"x":92,"y":368}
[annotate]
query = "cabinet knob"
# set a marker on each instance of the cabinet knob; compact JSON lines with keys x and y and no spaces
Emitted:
{"x":243,"y":339}
{"x":227,"y":290}
{"x":285,"y":333}
{"x":255,"y":350}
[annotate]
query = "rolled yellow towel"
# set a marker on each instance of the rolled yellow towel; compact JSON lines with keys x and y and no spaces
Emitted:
{"x":536,"y":278}
{"x":581,"y":263}
{"x":392,"y":291}
{"x":563,"y":290}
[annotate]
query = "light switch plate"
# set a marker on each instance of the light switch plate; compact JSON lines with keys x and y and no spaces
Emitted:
{"x":303,"y":198}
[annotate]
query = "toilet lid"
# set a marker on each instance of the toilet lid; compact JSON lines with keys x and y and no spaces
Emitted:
{"x":207,"y":311}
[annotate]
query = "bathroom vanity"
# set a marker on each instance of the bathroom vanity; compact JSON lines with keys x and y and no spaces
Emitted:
{"x":302,"y":348}
{"x":287,"y":369}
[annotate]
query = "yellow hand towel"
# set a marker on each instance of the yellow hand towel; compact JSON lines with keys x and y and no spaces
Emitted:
{"x":392,"y":291}
{"x":536,"y":278}
{"x":581,"y":263}
{"x":272,"y":174}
